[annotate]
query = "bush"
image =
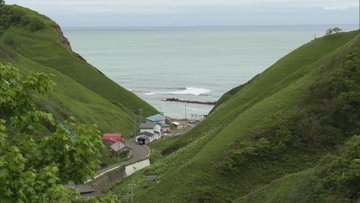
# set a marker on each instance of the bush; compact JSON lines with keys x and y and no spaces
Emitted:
{"x":341,"y":174}
{"x":36,"y":24}
{"x":10,"y":16}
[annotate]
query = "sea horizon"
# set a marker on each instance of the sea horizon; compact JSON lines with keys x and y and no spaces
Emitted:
{"x":189,"y":63}
{"x":146,"y":27}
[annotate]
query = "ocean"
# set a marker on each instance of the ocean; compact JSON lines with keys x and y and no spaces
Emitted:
{"x":188,"y":63}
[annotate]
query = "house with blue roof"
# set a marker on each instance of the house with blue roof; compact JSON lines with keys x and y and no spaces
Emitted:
{"x":158,"y":118}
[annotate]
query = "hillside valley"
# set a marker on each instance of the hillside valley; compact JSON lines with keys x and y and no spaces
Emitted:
{"x":34,"y":43}
{"x":291,"y":134}
{"x":288,"y":135}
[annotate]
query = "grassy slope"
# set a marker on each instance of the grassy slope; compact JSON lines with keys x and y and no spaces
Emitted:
{"x":295,"y":187}
{"x":81,"y":90}
{"x":191,"y":172}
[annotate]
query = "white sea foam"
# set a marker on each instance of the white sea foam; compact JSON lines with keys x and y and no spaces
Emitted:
{"x":192,"y":91}
{"x":185,"y":91}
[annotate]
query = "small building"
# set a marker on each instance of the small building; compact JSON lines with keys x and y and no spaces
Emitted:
{"x":119,"y":147}
{"x":177,"y":125}
{"x":165,"y":128}
{"x":147,"y":127}
{"x":147,"y":136}
{"x":157,"y":131}
{"x":158,"y":118}
{"x":111,"y":138}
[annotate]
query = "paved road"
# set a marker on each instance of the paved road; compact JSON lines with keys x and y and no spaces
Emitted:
{"x":139,"y":152}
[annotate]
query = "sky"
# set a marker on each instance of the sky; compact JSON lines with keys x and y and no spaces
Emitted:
{"x":110,"y":13}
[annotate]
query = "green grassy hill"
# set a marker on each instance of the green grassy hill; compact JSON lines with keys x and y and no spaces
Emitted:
{"x":34,"y":43}
{"x":266,"y":135}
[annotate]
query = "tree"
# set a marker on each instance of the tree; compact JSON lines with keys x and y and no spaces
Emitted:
{"x":37,"y":154}
{"x":332,"y":31}
{"x":337,"y":30}
{"x":2,"y":2}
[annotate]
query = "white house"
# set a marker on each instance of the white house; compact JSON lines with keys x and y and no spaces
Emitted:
{"x":147,"y":127}
{"x":149,"y":135}
{"x":144,"y":138}
{"x":157,"y":131}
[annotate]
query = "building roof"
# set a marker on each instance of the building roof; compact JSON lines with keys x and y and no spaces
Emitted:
{"x":147,"y":134}
{"x":156,"y":118}
{"x":117,"y":146}
{"x":164,"y":125}
{"x":147,"y":125}
{"x":112,"y":137}
{"x":176,"y":123}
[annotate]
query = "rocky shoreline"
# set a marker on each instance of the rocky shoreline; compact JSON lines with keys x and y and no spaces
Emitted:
{"x":189,"y":101}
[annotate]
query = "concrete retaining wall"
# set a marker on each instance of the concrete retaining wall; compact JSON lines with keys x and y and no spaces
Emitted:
{"x":130,"y":169}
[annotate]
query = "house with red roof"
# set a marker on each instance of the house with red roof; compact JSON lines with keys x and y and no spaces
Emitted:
{"x":111,"y":138}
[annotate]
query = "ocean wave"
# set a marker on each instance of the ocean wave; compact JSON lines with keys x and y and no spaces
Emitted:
{"x":184,"y":91}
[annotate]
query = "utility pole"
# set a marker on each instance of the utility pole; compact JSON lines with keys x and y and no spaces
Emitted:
{"x":131,"y":188}
{"x":185,"y":110}
{"x":186,"y":120}
{"x":138,"y":121}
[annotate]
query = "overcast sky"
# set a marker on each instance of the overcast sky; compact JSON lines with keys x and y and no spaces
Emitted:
{"x":195,"y":12}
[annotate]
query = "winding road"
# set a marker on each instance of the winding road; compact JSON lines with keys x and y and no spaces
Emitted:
{"x":139,"y":153}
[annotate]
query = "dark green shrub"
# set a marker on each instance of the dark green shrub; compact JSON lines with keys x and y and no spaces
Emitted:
{"x":341,"y":174}
{"x":36,"y":24}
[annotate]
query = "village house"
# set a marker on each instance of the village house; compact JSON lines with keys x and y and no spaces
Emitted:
{"x":158,"y":118}
{"x":151,"y":121}
{"x":147,"y":127}
{"x":119,"y":147}
{"x":147,"y":135}
{"x":145,"y":138}
{"x":110,"y":138}
{"x":116,"y":143}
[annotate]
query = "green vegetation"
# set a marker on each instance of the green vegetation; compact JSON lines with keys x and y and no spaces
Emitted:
{"x":34,"y":43}
{"x":336,"y":179}
{"x":271,"y":137}
{"x":37,"y":154}
{"x":288,"y":135}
